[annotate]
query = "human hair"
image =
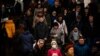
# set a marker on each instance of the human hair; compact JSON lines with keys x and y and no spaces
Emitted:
{"x":55,"y":24}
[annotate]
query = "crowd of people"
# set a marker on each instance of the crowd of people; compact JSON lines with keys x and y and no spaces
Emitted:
{"x":49,"y":28}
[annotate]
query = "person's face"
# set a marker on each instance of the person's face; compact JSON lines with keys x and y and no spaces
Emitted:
{"x":45,"y":9}
{"x":41,"y":44}
{"x":60,"y":18}
{"x":71,"y":50}
{"x":3,"y":5}
{"x":65,"y":11}
{"x":41,"y":19}
{"x":75,"y":29}
{"x":54,"y":13}
{"x":28,"y":12}
{"x":54,"y":46}
{"x":40,"y":14}
{"x":56,"y":3}
{"x":81,"y":41}
{"x":78,"y":9}
{"x":90,"y":19}
{"x":86,"y":10}
{"x":39,"y":6}
{"x":94,"y":49}
{"x":55,"y":27}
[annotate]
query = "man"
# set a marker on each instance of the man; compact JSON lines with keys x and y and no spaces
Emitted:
{"x":26,"y":41}
{"x":81,"y":48}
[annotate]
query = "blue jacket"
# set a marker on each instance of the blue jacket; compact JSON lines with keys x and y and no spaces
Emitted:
{"x":81,"y":50}
{"x":51,"y":2}
{"x":26,"y":40}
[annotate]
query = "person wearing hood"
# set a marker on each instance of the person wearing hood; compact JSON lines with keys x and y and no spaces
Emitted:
{"x":81,"y":48}
{"x":74,"y":35}
{"x":54,"y":51}
{"x":62,"y":26}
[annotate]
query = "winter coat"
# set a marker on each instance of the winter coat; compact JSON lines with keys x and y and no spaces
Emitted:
{"x":81,"y":50}
{"x":40,"y":31}
{"x":10,"y":28}
{"x":39,"y":51}
{"x":26,"y":40}
{"x":56,"y":52}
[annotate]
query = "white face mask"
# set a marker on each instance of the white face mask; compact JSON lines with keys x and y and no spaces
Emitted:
{"x":75,"y":35}
{"x":54,"y":46}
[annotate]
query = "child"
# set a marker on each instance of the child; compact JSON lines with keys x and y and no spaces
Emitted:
{"x":54,"y":51}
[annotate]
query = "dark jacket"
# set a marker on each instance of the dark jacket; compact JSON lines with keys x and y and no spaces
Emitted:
{"x":81,"y":50}
{"x":39,"y":52}
{"x":26,"y":40}
{"x":40,"y":31}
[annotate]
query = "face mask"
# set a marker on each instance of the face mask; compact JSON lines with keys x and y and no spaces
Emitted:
{"x":75,"y":35}
{"x":54,"y":46}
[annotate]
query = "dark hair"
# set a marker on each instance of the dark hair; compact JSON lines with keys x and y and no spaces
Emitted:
{"x":55,"y":24}
{"x":23,"y":26}
{"x":59,"y":15}
{"x":81,"y":37}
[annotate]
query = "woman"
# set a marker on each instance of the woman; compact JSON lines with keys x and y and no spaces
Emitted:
{"x":62,"y":26}
{"x":40,"y":27}
{"x":69,"y":50}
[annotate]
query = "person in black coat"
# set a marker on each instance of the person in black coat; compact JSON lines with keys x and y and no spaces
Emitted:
{"x":23,"y":42}
{"x":41,"y":29}
{"x":17,"y":8}
{"x":39,"y":48}
{"x":89,"y":30}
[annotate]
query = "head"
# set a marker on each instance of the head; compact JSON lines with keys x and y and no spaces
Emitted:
{"x":75,"y":29}
{"x":78,"y":18}
{"x":45,"y":10}
{"x":86,"y":10}
{"x":55,"y":25}
{"x":40,"y":43}
{"x":39,"y":6}
{"x":28,"y":12}
{"x":40,"y":17}
{"x":54,"y":13}
{"x":91,"y":19}
{"x":78,"y":8}
{"x":3,"y":5}
{"x":94,"y":49}
{"x":54,"y":44}
{"x":39,"y":2}
{"x":56,"y":3}
{"x":65,"y":11}
{"x":69,"y":49}
{"x":21,"y":28}
{"x":40,"y":14}
{"x":81,"y":41}
{"x":60,"y":17}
